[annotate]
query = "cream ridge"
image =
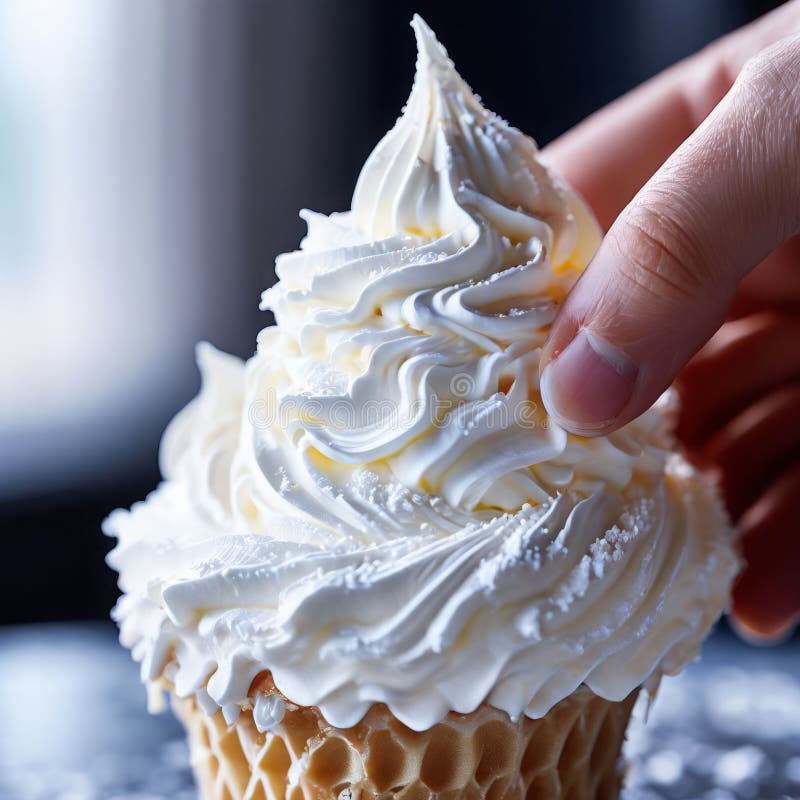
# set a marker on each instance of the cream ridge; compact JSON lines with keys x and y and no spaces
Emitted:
{"x":376,"y":507}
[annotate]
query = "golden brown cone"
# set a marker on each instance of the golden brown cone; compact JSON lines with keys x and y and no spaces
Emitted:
{"x":573,"y":753}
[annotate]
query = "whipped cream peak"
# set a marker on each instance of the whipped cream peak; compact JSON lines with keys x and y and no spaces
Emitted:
{"x":430,"y":51}
{"x":376,"y":507}
{"x":448,"y":156}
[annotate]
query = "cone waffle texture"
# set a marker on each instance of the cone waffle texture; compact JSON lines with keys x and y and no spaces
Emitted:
{"x":572,"y":753}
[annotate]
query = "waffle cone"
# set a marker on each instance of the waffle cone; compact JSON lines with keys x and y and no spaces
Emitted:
{"x":573,"y":752}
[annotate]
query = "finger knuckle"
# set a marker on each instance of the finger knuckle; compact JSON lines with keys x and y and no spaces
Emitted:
{"x":660,"y":253}
{"x":776,"y":69}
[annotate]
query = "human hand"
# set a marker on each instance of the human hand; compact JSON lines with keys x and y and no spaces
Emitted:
{"x":710,"y":153}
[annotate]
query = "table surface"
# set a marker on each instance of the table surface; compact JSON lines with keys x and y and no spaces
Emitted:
{"x":73,"y":724}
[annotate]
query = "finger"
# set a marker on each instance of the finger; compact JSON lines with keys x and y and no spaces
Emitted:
{"x":756,"y":446}
{"x":667,"y":271}
{"x":609,"y":156}
{"x":766,"y":597}
{"x":747,"y":359}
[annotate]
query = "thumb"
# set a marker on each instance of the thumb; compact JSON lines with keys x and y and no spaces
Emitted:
{"x":665,"y":275}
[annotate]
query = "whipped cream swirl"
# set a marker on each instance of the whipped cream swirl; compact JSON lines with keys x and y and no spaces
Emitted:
{"x":376,"y":506}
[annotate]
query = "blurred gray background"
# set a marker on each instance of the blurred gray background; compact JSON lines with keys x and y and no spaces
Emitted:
{"x":153,"y":157}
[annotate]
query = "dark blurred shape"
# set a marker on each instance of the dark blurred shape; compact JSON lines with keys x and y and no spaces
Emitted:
{"x":199,"y":130}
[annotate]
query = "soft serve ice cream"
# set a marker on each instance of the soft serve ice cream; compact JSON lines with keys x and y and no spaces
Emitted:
{"x":375,"y":507}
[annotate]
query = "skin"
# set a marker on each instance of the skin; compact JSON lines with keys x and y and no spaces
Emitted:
{"x":698,"y":282}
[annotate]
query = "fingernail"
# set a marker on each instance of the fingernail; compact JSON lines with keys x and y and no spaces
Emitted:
{"x":776,"y":635}
{"x":588,"y":385}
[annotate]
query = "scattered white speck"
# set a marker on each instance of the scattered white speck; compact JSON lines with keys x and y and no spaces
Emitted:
{"x":268,"y":711}
{"x":740,"y":765}
{"x":286,"y":484}
{"x":664,"y":767}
